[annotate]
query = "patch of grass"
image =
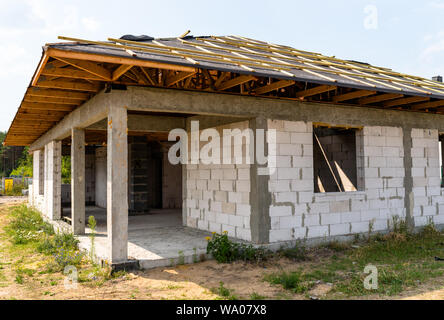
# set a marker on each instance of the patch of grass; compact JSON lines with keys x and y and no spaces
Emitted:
{"x":224,"y":292}
{"x":27,"y":226}
{"x":19,"y":279}
{"x":296,"y":253}
{"x":257,"y":296}
{"x":293,"y":281}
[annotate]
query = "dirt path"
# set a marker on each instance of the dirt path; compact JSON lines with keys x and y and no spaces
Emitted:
{"x":198,"y":281}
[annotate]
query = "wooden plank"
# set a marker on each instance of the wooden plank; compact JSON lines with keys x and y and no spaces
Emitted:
{"x":47,"y":106}
{"x":235,"y":82}
{"x":170,"y":81}
{"x":76,"y":86}
{"x":428,"y":105}
{"x":380,"y":98}
{"x":120,"y":71}
{"x":54,"y":93}
{"x":57,"y":53}
{"x":353,"y":95}
{"x":70,"y":73}
{"x":89,"y":67}
{"x":404,"y":101}
{"x":274,"y":86}
{"x":47,"y":100}
{"x":314,"y":91}
{"x":26,"y":116}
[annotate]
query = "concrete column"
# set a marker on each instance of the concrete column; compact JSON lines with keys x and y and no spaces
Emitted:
{"x":78,"y":181}
{"x":36,"y":173}
{"x":260,"y":197}
{"x":408,"y":178}
{"x":117,"y":185}
{"x":53,"y":180}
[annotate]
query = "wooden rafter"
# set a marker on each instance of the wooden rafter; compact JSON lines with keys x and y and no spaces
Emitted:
{"x":314,"y":91}
{"x":274,"y":86}
{"x":353,"y":95}
{"x":88,"y":66}
{"x":380,"y":98}
{"x":428,"y":105}
{"x":147,"y":75}
{"x":59,"y":84}
{"x":70,"y":73}
{"x":170,"y":81}
{"x":40,"y":68}
{"x":120,"y":71}
{"x":57,"y":53}
{"x":235,"y":82}
{"x":404,"y":101}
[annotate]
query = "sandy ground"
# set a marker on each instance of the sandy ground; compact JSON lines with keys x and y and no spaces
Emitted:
{"x":182,"y":282}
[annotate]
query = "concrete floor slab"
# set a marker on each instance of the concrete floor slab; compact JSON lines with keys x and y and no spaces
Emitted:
{"x":155,"y":240}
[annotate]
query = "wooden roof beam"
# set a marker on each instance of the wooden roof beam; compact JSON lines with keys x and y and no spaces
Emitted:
{"x":120,"y":71}
{"x":88,"y":66}
{"x":274,"y":86}
{"x":48,"y":100}
{"x":353,"y":95}
{"x":428,"y":105}
{"x":404,"y":101}
{"x":314,"y":91}
{"x":235,"y":82}
{"x":70,"y":73}
{"x":171,"y":81}
{"x":380,"y":98}
{"x":58,"y":53}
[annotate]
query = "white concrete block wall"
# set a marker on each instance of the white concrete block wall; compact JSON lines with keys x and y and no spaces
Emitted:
{"x":297,"y":212}
{"x":428,"y":200}
{"x":218,"y":195}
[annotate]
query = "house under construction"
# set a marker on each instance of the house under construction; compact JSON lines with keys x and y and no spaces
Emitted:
{"x":357,"y":146}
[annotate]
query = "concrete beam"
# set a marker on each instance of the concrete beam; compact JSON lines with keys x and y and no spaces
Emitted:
{"x":78,"y":181}
{"x":117,"y":184}
{"x":205,"y":103}
{"x":146,"y":123}
{"x":53,"y":180}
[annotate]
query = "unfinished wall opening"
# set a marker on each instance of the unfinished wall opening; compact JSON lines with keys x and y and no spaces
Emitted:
{"x":336,"y":159}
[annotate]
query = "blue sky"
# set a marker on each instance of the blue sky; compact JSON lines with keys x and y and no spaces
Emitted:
{"x":408,"y":36}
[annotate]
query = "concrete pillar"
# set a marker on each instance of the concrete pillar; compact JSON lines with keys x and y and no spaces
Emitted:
{"x":78,"y":180}
{"x":408,"y":178}
{"x":260,"y":197}
{"x":37,"y":168}
{"x":53,"y":180}
{"x":117,"y":185}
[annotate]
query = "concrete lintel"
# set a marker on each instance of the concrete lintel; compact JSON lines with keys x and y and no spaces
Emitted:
{"x":78,"y":181}
{"x":117,"y":184}
{"x":146,"y":123}
{"x":260,"y":197}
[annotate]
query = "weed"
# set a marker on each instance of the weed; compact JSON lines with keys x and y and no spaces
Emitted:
{"x":290,"y":281}
{"x":224,"y":292}
{"x":256,"y":296}
{"x":19,"y":279}
{"x":92,"y":223}
{"x":181,"y":260}
{"x":224,"y":250}
{"x":296,"y":253}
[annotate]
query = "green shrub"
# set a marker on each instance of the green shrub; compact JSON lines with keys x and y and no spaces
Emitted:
{"x":67,"y":257}
{"x":296,"y":253}
{"x":224,"y":250}
{"x":50,"y":245}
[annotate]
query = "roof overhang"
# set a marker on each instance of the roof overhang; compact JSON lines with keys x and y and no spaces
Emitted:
{"x":69,"y":74}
